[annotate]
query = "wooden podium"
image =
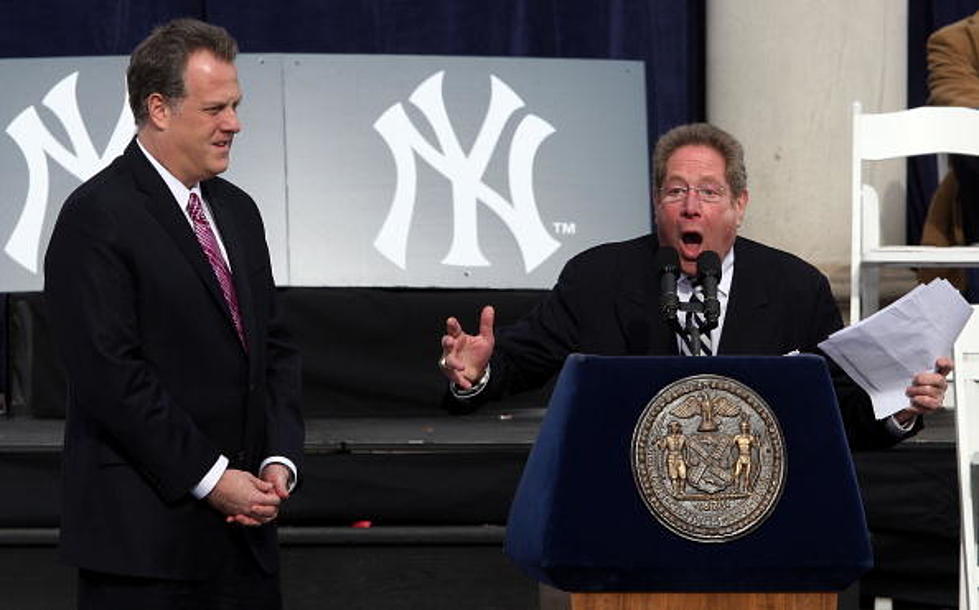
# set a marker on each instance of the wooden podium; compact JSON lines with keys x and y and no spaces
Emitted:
{"x":579,"y":523}
{"x":703,"y":601}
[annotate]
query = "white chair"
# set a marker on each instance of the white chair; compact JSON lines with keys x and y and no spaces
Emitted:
{"x":918,"y":131}
{"x":966,"y":355}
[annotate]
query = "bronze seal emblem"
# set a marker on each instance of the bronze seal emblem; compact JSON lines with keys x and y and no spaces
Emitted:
{"x":708,"y":457}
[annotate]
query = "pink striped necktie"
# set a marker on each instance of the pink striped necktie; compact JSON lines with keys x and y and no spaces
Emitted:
{"x":209,"y":244}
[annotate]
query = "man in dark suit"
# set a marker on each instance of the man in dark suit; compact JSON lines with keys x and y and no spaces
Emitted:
{"x":184,"y":433}
{"x":606,"y":300}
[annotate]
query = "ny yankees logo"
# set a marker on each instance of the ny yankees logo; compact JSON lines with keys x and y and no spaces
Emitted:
{"x":37,"y":143}
{"x":465,"y":172}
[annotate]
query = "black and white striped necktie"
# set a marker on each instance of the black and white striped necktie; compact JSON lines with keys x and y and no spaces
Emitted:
{"x":692,"y":320}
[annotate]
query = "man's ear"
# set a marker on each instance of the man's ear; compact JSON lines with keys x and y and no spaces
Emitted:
{"x":159,"y":110}
{"x":741,"y":204}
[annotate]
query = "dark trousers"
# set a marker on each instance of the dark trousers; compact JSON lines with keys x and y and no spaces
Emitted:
{"x":966,"y":170}
{"x":240,"y":585}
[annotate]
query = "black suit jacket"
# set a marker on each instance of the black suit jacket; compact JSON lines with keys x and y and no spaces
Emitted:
{"x":159,"y":384}
{"x":606,"y":302}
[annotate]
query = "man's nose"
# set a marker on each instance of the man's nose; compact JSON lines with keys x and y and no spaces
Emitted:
{"x":230,"y":121}
{"x":691,"y":203}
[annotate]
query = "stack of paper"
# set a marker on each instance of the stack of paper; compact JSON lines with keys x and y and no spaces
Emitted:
{"x":883,"y":352}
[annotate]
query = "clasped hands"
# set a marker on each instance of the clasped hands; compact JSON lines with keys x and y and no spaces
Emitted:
{"x":249,"y":500}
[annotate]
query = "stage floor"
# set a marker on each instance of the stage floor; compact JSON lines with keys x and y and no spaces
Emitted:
{"x":446,"y":482}
{"x":475,"y":432}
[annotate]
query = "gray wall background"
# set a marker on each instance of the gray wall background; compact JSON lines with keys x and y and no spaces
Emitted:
{"x":325,"y":178}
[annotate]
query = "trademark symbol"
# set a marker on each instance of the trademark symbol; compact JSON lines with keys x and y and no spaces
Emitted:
{"x":564,"y":228}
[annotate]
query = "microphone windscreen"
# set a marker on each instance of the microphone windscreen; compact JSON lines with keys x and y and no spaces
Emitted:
{"x":709,"y":264}
{"x":666,"y":259}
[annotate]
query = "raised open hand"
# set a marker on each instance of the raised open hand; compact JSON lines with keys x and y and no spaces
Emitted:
{"x":464,"y":356}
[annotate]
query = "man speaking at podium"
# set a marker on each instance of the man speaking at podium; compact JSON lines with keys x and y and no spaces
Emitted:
{"x":608,"y":299}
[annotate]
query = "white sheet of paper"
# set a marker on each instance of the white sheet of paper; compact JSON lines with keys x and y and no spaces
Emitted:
{"x":884,"y":351}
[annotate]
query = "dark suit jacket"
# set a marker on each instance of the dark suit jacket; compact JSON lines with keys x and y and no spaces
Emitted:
{"x":159,"y":384}
{"x":606,"y":302}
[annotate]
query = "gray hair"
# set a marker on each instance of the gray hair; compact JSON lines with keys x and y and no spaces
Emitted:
{"x":702,"y":134}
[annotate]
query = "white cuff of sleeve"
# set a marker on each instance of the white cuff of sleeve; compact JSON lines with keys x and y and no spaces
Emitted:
{"x":278,"y":459}
{"x":474,"y":390}
{"x":210,"y":479}
{"x":896,"y":428}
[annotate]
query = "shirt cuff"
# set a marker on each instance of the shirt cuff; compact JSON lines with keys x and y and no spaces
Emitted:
{"x":278,"y":459}
{"x":896,"y":428}
{"x":477,"y":387}
{"x":206,"y":485}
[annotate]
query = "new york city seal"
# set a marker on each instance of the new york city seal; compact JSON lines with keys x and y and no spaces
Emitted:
{"x":708,"y":457}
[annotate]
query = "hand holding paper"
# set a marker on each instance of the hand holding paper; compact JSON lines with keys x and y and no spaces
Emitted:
{"x":908,"y":341}
{"x":927,"y":391}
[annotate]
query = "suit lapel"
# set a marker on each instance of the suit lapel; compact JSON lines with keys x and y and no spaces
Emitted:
{"x":160,"y":203}
{"x":642,"y":327}
{"x":745,"y":315}
{"x":644,"y":332}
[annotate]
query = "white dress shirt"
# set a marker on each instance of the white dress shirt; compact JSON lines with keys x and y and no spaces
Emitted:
{"x":181,"y":196}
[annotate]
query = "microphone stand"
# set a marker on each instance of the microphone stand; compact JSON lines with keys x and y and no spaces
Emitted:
{"x":706,"y":309}
{"x":693,"y":328}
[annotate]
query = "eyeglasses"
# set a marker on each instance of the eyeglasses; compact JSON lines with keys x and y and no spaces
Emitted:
{"x":706,"y":193}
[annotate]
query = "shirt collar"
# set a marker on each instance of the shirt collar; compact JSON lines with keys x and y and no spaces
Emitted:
{"x":180,"y":192}
{"x":727,"y":274}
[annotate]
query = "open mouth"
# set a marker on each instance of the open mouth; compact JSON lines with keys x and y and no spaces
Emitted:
{"x":692,"y":238}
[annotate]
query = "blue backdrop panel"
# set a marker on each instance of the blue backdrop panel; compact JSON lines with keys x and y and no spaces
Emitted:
{"x":668,"y":36}
{"x":93,"y":27}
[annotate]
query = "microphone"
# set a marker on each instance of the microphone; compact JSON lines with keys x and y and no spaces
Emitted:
{"x":667,"y":263}
{"x":709,"y":275}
